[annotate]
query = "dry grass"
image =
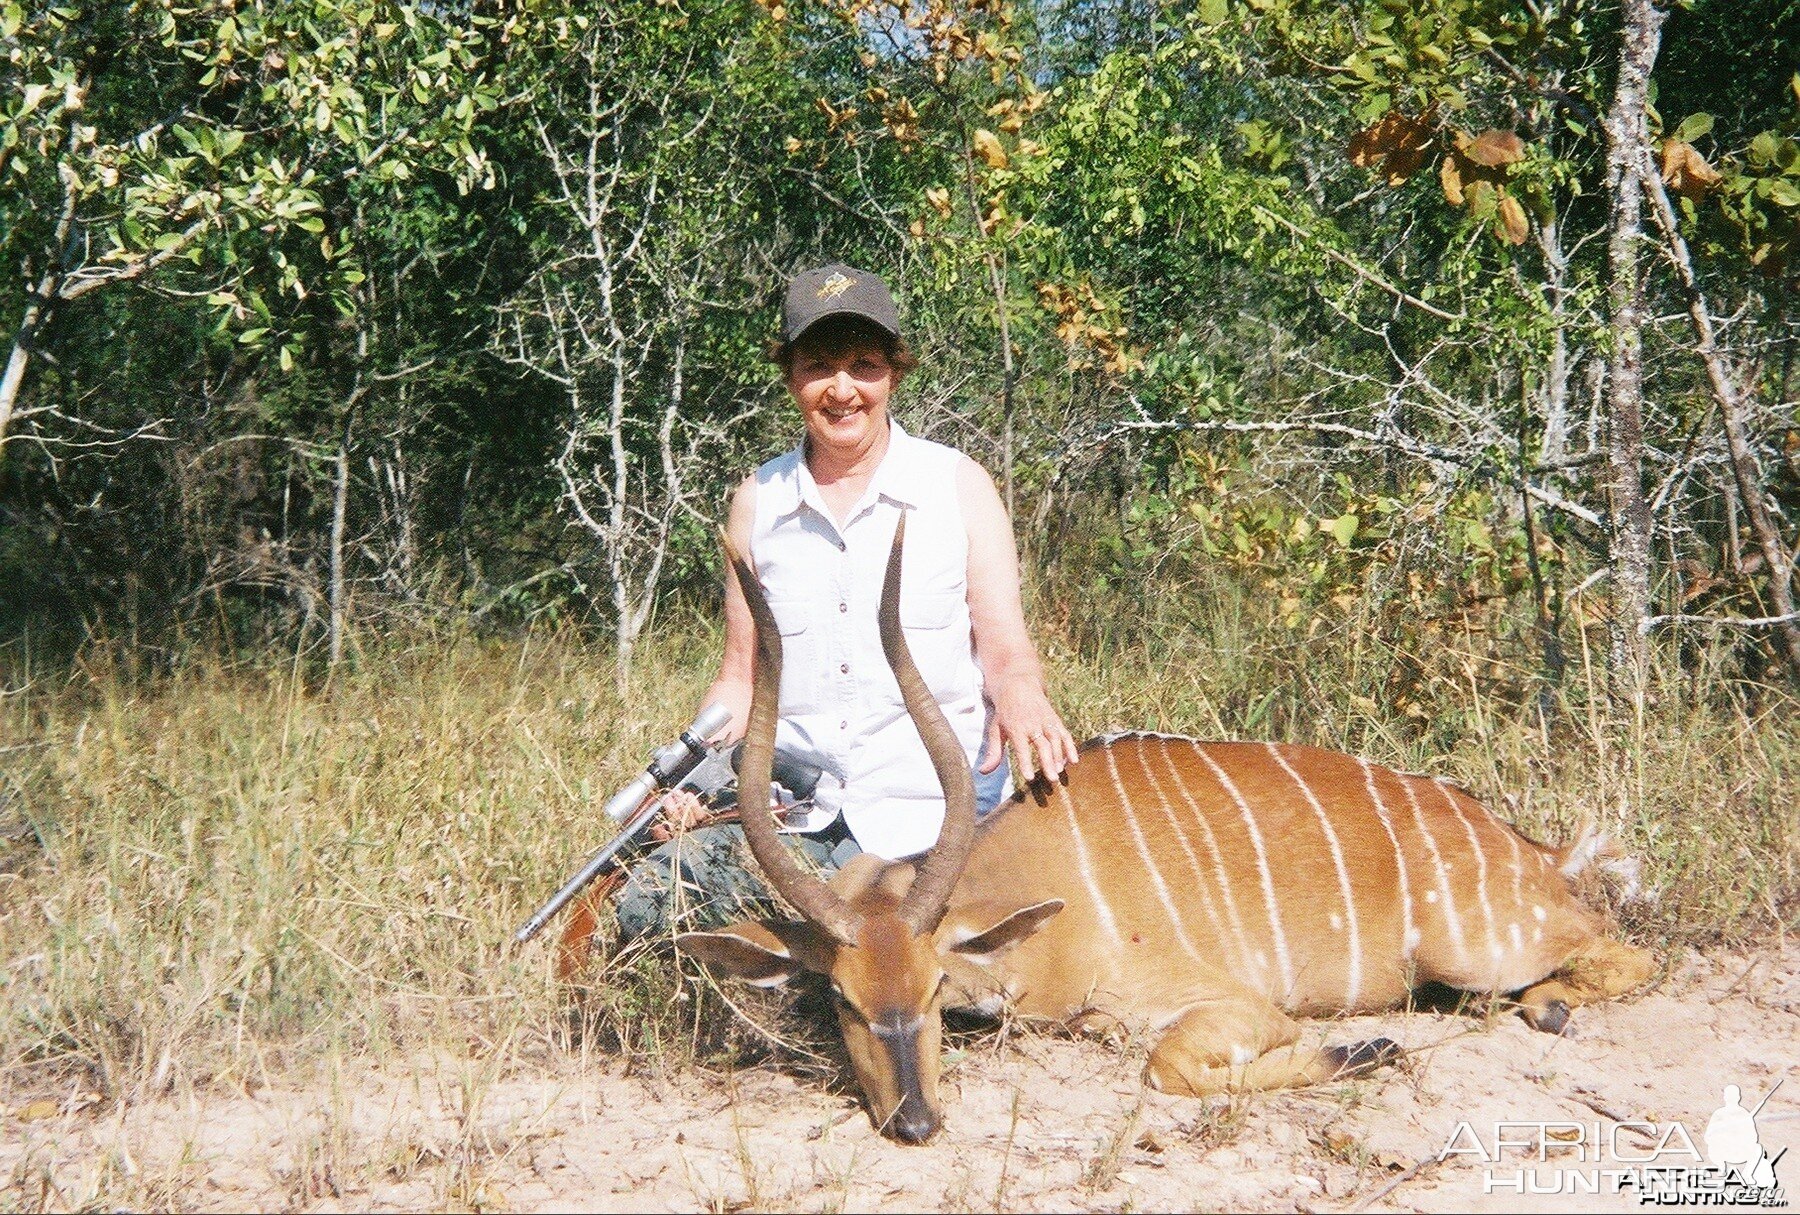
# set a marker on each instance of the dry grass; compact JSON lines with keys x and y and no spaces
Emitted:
{"x":224,"y":875}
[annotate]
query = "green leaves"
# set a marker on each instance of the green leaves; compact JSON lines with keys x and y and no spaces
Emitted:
{"x":1342,"y":529}
{"x":1693,"y":127}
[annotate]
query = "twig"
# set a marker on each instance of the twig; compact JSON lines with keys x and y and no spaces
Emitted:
{"x":1580,"y":1097}
{"x":1376,"y":1196}
{"x":1731,"y":622}
{"x":1362,"y":272}
{"x":1739,"y":981}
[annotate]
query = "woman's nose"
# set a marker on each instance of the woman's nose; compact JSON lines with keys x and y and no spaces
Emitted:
{"x":842,"y":386}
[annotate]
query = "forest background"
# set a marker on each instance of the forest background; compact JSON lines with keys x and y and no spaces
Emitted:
{"x":1407,"y":377}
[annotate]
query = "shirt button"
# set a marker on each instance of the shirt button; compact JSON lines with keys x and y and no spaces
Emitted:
{"x":843,"y":725}
{"x":843,"y":607}
{"x":843,"y":668}
{"x":842,"y":546}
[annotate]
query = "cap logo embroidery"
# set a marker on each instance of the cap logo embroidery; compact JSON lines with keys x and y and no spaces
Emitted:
{"x":835,"y":286}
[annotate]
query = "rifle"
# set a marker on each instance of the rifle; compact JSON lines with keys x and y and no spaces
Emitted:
{"x":687,"y":763}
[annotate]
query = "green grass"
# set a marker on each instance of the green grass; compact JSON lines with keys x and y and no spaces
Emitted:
{"x":222,"y":871}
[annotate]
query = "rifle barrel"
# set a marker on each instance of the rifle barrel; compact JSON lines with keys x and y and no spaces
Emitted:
{"x":596,"y":864}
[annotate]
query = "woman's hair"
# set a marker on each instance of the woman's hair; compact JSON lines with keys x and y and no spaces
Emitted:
{"x":836,"y":333}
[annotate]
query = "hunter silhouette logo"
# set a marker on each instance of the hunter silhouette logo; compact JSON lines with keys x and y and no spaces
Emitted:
{"x":835,"y":286}
{"x":1733,"y":1144}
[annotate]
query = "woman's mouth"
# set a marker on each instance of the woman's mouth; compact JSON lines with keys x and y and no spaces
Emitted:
{"x":840,"y":412}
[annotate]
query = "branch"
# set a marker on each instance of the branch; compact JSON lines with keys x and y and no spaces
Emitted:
{"x":1400,"y":442}
{"x":82,"y":282}
{"x":1362,"y":272}
{"x":1730,"y":622}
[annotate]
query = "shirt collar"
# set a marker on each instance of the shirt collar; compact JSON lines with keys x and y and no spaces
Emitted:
{"x":891,"y":480}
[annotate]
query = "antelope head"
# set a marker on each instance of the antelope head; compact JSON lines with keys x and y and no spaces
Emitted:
{"x":878,"y":932}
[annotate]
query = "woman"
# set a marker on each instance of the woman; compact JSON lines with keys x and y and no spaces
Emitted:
{"x":817,"y":523}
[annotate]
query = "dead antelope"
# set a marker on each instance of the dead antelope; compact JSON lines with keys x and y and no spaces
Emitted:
{"x":1204,"y":891}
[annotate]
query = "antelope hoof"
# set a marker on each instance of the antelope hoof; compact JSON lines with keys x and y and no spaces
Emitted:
{"x":1550,"y":1017}
{"x":1361,"y":1057}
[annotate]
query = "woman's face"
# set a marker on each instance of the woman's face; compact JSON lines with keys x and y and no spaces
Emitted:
{"x":842,"y":394}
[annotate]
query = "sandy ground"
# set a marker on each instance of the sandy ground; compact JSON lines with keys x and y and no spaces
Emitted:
{"x":1034,"y":1123}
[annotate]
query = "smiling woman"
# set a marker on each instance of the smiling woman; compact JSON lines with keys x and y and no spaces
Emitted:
{"x":817,"y":523}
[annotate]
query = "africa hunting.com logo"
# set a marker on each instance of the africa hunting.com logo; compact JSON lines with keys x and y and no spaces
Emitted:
{"x":1658,"y":1162}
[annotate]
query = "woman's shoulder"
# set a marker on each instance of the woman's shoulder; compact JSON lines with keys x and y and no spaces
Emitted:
{"x":937,"y":457}
{"x":782,"y":467}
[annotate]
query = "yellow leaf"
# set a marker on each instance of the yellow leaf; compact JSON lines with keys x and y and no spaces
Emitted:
{"x":1510,"y":221}
{"x":1686,"y":171}
{"x":989,"y":148}
{"x":1451,"y":178}
{"x":939,"y":198}
{"x":37,"y":1111}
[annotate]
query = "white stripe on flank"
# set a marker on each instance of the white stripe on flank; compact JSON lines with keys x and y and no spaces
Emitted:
{"x":1409,"y":935}
{"x":1518,"y":866}
{"x":1353,"y":980}
{"x":1481,"y":894}
{"x":1451,"y":920}
{"x":1084,"y":863}
{"x":1276,"y":931}
{"x":1218,"y":861}
{"x":1150,"y":865}
{"x":1168,"y":809}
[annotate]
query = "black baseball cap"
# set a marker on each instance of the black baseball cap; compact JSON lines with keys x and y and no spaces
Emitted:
{"x":837,"y":290}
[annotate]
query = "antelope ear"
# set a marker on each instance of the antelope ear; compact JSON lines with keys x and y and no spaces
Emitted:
{"x":980,"y":930}
{"x":766,"y":955}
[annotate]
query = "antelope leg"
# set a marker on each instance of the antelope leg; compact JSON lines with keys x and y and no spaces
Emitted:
{"x":1241,"y":1043}
{"x":1599,"y":970}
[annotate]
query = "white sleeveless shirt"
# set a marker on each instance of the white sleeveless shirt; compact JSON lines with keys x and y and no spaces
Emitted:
{"x":840,"y":705}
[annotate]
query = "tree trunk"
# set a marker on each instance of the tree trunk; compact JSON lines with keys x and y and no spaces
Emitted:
{"x":340,"y":513}
{"x":1734,"y":407}
{"x":1629,"y":514}
{"x":14,"y":378}
{"x":1008,"y":376}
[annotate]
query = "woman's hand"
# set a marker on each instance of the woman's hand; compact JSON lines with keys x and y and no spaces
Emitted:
{"x":1024,"y":718}
{"x":682,"y":810}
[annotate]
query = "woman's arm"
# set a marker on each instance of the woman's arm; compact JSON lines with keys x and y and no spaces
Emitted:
{"x":1011,"y":674}
{"x":731,"y":686}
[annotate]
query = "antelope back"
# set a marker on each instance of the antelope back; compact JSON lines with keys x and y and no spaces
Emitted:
{"x":1322,"y":881}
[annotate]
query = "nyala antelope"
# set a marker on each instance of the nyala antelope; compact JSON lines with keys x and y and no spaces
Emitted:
{"x":1206,"y":892}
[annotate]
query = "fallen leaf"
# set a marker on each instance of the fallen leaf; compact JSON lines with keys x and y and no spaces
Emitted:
{"x":37,"y":1111}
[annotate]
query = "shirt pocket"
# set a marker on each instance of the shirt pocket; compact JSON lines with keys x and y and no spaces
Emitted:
{"x":801,"y":655}
{"x":939,"y":648}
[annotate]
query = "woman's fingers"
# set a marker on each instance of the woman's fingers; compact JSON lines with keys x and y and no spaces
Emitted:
{"x":993,"y":747}
{"x":681,"y":810}
{"x":1048,"y":750}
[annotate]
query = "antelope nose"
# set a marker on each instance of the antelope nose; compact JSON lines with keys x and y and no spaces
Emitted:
{"x":914,"y":1122}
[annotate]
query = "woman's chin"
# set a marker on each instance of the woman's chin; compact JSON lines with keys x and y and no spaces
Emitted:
{"x":848,"y":433}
